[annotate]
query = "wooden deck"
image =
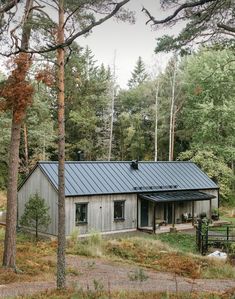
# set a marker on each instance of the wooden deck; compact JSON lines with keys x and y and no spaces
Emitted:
{"x":178,"y":227}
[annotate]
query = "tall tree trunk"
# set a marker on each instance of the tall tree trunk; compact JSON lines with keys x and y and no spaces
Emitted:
{"x":61,"y":279}
{"x":173,"y":135}
{"x":156,"y":124}
{"x":172,"y":114}
{"x":112,"y":108}
{"x":9,"y":254}
{"x":26,"y":152}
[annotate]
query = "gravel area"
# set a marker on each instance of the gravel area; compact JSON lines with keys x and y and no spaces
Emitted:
{"x":86,"y":272}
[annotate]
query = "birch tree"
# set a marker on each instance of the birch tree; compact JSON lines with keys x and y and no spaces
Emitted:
{"x":172,"y":120}
{"x":156,"y":121}
{"x":113,"y":95}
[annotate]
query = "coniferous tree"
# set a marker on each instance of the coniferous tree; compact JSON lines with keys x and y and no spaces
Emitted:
{"x":206,"y":21}
{"x":139,"y":74}
{"x":36,"y":214}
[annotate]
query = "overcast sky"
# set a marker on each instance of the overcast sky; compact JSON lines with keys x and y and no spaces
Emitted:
{"x":129,"y":41}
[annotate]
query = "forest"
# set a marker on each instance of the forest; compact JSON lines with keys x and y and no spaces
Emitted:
{"x":190,"y":103}
{"x":58,"y":102}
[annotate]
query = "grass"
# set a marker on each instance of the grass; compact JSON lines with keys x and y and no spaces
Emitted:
{"x":179,"y":241}
{"x":227,"y":214}
{"x":30,"y":260}
{"x":170,"y":252}
{"x":154,"y":254}
{"x":94,"y":294}
{"x":91,"y":246}
{"x":218,"y":270}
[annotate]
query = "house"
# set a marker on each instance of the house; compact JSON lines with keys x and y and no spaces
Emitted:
{"x":118,"y":196}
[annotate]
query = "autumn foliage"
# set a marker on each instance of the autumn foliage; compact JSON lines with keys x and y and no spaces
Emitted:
{"x":16,"y":92}
{"x":46,"y":76}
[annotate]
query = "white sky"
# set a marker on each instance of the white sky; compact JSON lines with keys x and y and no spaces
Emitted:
{"x":128,"y":41}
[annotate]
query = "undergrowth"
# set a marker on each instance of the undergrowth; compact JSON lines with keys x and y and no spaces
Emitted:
{"x":93,"y":294}
{"x":169,"y":254}
{"x":36,"y":260}
{"x":154,"y":254}
{"x":219,"y":270}
{"x":30,"y":260}
{"x":91,"y":246}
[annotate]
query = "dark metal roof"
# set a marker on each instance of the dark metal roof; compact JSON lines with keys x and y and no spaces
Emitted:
{"x":177,"y":196}
{"x":93,"y":178}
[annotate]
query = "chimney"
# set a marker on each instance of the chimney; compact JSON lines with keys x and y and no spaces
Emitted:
{"x":134,"y":164}
{"x":80,"y":155}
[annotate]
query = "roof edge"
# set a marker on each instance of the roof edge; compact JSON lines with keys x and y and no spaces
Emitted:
{"x":143,"y":192}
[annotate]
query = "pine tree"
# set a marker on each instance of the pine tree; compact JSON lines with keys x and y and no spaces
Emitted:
{"x":36,"y":214}
{"x":139,"y":74}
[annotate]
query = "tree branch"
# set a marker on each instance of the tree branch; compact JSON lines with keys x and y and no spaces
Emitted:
{"x":9,"y":6}
{"x":69,"y":40}
{"x":226,"y":27}
{"x":176,"y":12}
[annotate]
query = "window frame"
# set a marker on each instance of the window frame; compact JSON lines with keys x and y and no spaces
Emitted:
{"x":123,"y":210}
{"x":77,"y":223}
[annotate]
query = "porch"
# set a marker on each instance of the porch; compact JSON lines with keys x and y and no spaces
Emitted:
{"x":172,"y":210}
{"x":179,"y":227}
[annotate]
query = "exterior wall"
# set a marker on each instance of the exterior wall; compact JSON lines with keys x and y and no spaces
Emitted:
{"x":101,"y":213}
{"x":38,"y":183}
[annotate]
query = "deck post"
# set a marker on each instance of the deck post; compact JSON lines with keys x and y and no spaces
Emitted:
{"x":173,"y":214}
{"x":193,"y":220}
{"x":154,"y":218}
{"x":210,"y":211}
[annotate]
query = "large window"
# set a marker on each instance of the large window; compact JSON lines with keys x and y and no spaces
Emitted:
{"x":81,"y":213}
{"x":119,"y":210}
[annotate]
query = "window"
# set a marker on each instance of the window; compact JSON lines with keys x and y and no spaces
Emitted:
{"x":81,"y":213}
{"x":119,"y":207}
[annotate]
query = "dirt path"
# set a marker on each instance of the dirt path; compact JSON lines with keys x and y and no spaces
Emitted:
{"x":116,"y":276}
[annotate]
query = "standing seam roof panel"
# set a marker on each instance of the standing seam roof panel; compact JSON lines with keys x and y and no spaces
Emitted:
{"x":153,"y":175}
{"x":183,"y":175}
{"x":107,"y":179}
{"x":82,"y":177}
{"x":120,"y":174}
{"x":75,"y":177}
{"x":125,"y":175}
{"x":90,"y":178}
{"x":69,"y":181}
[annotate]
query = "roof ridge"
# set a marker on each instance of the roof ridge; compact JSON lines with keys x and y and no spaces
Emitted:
{"x":109,"y":162}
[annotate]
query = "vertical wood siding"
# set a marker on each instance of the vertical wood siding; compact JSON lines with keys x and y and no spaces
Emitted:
{"x":38,"y":183}
{"x":101,"y":213}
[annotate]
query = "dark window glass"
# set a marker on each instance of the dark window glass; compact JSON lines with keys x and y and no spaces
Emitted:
{"x":119,"y":207}
{"x":81,"y":213}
